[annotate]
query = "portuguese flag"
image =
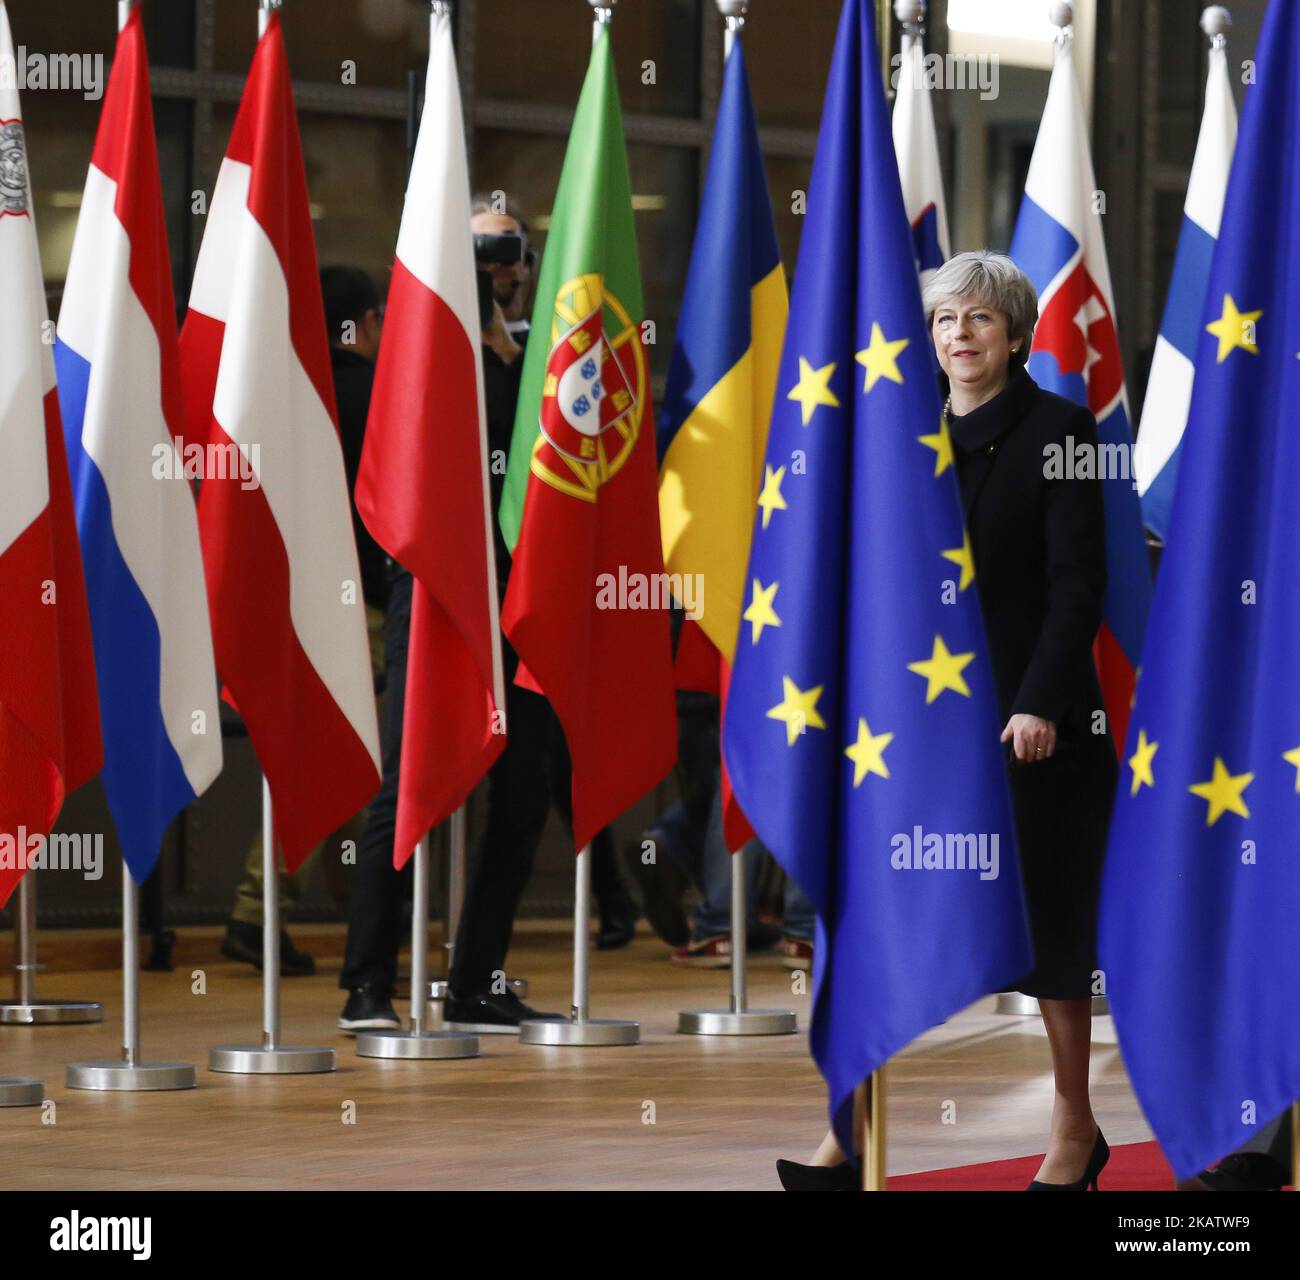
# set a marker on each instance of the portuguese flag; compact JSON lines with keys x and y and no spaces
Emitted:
{"x":585,"y":609}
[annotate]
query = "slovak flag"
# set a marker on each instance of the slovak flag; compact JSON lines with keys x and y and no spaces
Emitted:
{"x":278,"y":547}
{"x":49,"y":714}
{"x":422,"y":488}
{"x":917,"y":149}
{"x":120,"y":391}
{"x":1169,"y":386}
{"x":1058,"y":243}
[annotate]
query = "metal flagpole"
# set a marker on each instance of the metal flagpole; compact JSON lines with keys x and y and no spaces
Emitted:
{"x":739,"y":1020}
{"x":130,"y":1075}
{"x":581,"y":1029}
{"x":1295,"y":1146}
{"x":874,"y":1134}
{"x":270,"y":1057}
{"x":419,"y":1042}
{"x":25,"y":1009}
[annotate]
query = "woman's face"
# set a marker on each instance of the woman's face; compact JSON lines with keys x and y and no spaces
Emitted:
{"x":970,"y":338}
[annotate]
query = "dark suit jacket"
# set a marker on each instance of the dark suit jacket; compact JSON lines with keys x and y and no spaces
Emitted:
{"x":1040,"y":554}
{"x":354,"y":378}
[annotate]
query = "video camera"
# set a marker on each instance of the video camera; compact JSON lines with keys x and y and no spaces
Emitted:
{"x":493,"y":251}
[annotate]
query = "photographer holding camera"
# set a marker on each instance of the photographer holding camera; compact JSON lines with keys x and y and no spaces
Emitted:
{"x":530,"y":774}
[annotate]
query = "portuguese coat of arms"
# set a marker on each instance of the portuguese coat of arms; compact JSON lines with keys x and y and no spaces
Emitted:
{"x":593,"y":392}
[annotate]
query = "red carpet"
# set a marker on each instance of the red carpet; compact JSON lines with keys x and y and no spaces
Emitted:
{"x":1136,"y":1167}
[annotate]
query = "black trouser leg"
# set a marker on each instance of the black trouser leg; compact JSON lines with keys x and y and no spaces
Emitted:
{"x":503,"y":860}
{"x":375,"y":912}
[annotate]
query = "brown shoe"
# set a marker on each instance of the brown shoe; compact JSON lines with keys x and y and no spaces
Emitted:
{"x":708,"y":953}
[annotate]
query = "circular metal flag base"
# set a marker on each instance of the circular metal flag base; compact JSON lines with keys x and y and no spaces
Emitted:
{"x":425,"y":1045}
{"x":590,"y":1032}
{"x":286,"y":1060}
{"x":121,"y":1077}
{"x":39,"y":1013}
{"x":1022,"y":1006}
{"x":726,"y":1022}
{"x":21,"y":1093}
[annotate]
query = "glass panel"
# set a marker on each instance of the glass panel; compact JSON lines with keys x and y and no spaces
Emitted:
{"x":90,"y":27}
{"x":385,"y":39}
{"x":538,"y":52}
{"x":60,"y":129}
{"x":789,"y":61}
{"x":356,"y":180}
{"x":788,"y":180}
{"x":665,"y":197}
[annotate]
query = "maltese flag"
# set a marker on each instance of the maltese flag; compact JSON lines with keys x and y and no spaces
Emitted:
{"x":917,"y":149}
{"x":120,"y":391}
{"x":1058,"y":244}
{"x":49,"y":714}
{"x":423,"y":484}
{"x":1169,"y":386}
{"x":274,"y":519}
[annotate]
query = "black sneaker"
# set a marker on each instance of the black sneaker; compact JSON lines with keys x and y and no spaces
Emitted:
{"x":488,"y":1014}
{"x":244,"y":942}
{"x":367,"y":1010}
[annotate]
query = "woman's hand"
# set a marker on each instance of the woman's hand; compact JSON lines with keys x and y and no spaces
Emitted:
{"x":1032,"y":737}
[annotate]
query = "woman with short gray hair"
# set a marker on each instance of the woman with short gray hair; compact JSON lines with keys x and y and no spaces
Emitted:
{"x":1040,"y":568}
{"x":1039,"y":544}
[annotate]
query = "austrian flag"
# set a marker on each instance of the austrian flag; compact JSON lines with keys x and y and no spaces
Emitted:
{"x":279,"y":556}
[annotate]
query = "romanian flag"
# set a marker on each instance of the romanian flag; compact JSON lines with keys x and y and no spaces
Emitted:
{"x":721,"y":384}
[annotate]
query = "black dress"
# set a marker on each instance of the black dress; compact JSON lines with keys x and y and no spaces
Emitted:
{"x":1040,"y":564}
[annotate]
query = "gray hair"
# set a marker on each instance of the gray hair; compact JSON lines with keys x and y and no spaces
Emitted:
{"x":993,"y":279}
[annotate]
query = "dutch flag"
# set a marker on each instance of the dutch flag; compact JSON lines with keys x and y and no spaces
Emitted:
{"x":1169,"y":387}
{"x":119,"y":388}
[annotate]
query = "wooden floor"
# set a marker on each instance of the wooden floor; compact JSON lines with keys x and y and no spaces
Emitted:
{"x":977,"y":1088}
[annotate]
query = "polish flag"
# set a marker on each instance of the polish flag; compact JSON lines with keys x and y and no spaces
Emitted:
{"x":279,"y":554}
{"x":423,"y":485}
{"x":49,"y":711}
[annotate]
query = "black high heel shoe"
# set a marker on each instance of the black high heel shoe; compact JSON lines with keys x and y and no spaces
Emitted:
{"x":1096,"y":1163}
{"x":817,"y":1177}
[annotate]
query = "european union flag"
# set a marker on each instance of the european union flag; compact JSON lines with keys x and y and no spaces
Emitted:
{"x":1201,"y":892}
{"x":862,"y":727}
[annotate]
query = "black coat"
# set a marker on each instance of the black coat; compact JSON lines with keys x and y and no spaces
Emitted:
{"x":1040,"y":568}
